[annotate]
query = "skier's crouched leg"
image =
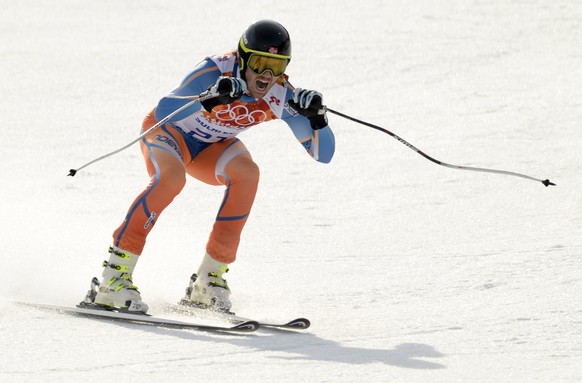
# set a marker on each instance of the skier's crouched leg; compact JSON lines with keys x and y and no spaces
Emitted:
{"x":241,"y":177}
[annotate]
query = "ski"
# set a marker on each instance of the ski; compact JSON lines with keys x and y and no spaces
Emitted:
{"x":185,"y":307}
{"x":86,"y":310}
{"x":295,"y":324}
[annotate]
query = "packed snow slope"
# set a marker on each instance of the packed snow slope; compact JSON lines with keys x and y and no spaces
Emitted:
{"x":409,"y":271}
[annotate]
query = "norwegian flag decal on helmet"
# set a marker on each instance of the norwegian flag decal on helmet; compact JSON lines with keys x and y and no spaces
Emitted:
{"x":273,"y":50}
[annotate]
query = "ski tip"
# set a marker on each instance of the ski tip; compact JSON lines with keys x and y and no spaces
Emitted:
{"x":248,"y":326}
{"x":299,"y":323}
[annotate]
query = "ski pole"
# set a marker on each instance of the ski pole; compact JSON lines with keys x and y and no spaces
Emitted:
{"x":203,"y":96}
{"x":546,"y":182}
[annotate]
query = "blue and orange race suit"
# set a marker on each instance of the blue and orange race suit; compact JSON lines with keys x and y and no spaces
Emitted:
{"x":205,"y":146}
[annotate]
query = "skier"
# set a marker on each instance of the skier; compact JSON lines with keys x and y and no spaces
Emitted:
{"x":250,"y":87}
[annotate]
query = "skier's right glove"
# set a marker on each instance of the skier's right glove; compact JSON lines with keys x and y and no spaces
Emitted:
{"x":227,"y":91}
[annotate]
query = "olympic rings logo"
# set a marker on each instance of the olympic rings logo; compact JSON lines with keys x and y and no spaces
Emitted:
{"x":240,"y":115}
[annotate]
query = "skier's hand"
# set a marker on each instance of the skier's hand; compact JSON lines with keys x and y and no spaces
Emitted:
{"x":226,"y":90}
{"x":309,"y":103}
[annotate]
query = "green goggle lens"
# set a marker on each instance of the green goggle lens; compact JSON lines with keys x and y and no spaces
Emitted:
{"x":259,"y":64}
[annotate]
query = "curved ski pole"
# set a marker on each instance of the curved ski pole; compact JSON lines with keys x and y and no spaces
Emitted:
{"x":545,"y":182}
{"x":196,"y":99}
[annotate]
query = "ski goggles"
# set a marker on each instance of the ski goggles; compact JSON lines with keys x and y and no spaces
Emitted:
{"x":260,"y":64}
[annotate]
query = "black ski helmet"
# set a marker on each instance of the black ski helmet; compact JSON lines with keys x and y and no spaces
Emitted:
{"x":264,"y":36}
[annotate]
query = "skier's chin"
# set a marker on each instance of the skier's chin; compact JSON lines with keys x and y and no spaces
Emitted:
{"x":259,"y":92}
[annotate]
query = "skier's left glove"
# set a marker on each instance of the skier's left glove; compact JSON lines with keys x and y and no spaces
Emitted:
{"x":308,"y":103}
{"x":227,"y":91}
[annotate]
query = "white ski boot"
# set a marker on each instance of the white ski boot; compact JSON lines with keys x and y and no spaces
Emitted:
{"x":208,"y":289}
{"x":117,"y":290}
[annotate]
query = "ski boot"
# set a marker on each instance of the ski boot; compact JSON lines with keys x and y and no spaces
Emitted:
{"x":208,"y":289}
{"x":117,"y":291}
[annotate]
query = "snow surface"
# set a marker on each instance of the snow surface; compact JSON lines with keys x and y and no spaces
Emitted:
{"x":410,"y":272}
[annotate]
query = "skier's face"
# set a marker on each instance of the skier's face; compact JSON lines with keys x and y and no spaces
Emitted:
{"x":259,"y":84}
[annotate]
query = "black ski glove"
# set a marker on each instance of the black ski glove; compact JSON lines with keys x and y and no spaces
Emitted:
{"x":227,"y":91}
{"x":308,"y":103}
